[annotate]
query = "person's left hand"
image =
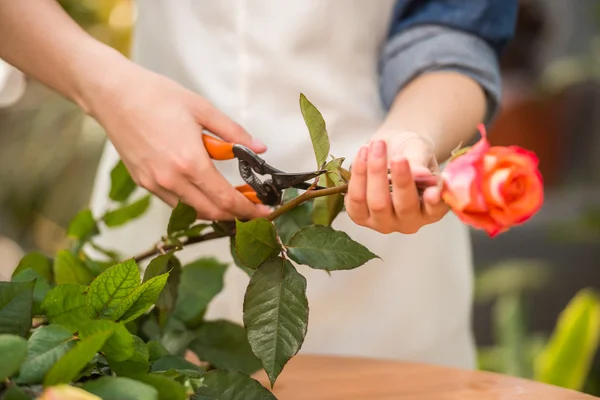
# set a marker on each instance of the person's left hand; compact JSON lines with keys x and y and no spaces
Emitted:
{"x":369,"y":201}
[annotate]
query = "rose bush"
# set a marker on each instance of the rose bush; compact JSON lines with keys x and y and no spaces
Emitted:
{"x":493,"y":188}
{"x":88,"y":323}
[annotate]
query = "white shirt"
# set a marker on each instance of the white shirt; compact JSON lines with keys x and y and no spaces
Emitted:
{"x":252,"y":59}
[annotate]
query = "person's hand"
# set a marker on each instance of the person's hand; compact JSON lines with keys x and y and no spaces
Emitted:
{"x":369,"y":201}
{"x":156,"y":127}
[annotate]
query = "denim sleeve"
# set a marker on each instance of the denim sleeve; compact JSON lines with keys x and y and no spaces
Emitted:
{"x":445,"y":35}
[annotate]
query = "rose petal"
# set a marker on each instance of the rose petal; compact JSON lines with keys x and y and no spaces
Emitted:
{"x":481,"y":221}
{"x":462,"y":189}
{"x":462,"y":177}
{"x":494,"y":185}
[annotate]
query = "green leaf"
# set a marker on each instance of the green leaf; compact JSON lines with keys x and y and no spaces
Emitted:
{"x":127,"y":213}
{"x":175,"y":366}
{"x":327,"y":208}
{"x":317,"y":129}
{"x":182,"y":217}
{"x":37,"y":262}
{"x":141,"y":298}
{"x":224,"y":345}
{"x":14,"y":350}
{"x":156,"y":350}
{"x":177,"y":339}
{"x":16,"y":393}
{"x":292,"y":221}
{"x":322,"y":247}
{"x":110,"y":289}
{"x":111,"y":254}
{"x":276,"y":314}
{"x":122,"y":186}
{"x":119,"y":346}
{"x":46,"y":346}
{"x":65,"y":305}
{"x":256,"y":242}
{"x":70,"y":269}
{"x":236,"y":259}
{"x":39,"y":291}
{"x":68,"y":366}
{"x":83,"y":226}
{"x":166,"y":387}
{"x":200,"y":281}
{"x":191,"y":232}
{"x":231,"y":385}
{"x":511,"y":334}
{"x":162,"y":264}
{"x":109,"y":388}
{"x":138,"y":363}
{"x":16,"y":304}
{"x":567,"y":358}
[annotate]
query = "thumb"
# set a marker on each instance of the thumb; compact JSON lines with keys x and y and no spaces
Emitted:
{"x":419,"y":154}
{"x":221,"y":125}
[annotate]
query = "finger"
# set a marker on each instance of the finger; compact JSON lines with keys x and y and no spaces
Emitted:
{"x":221,"y":125}
{"x":418,"y":154}
{"x":356,"y":198}
{"x":224,"y":196}
{"x":405,"y":198}
{"x":434,"y":208}
{"x":379,"y":200}
{"x":166,"y":196}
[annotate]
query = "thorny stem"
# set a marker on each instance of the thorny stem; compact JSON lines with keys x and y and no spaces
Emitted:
{"x":160,"y":248}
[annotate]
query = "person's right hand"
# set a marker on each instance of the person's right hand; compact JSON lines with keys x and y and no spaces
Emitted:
{"x":156,"y":127}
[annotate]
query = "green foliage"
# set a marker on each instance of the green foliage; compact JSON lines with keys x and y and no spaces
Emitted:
{"x":564,"y":359}
{"x":122,"y":186}
{"x":127,"y":213}
{"x":37,"y":262}
{"x":119,"y":330}
{"x":229,"y":385}
{"x":182,"y":217}
{"x":276,"y":314}
{"x":16,"y":304}
{"x":224,"y":345}
{"x":46,"y":346}
{"x":256,"y":242}
{"x":83,"y":227}
{"x":14,"y":350}
{"x":317,"y":129}
{"x":65,"y":305}
{"x":327,"y":208}
{"x":321,"y":247}
{"x":567,"y":358}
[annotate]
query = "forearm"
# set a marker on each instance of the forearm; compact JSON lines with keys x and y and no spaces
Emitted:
{"x":443,"y":106}
{"x":40,"y":39}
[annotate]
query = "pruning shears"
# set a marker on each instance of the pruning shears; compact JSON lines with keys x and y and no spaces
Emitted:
{"x":269,"y":191}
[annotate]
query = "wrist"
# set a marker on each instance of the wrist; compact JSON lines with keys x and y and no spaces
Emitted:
{"x":99,"y":78}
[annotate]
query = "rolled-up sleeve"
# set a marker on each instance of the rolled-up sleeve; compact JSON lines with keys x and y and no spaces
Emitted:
{"x":447,"y":35}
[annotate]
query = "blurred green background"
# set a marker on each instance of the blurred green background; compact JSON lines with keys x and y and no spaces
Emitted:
{"x":536,"y":314}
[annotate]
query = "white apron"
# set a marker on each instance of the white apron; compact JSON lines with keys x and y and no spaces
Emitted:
{"x":252,"y":59}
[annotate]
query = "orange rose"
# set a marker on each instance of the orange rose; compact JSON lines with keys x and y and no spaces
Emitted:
{"x":493,"y":188}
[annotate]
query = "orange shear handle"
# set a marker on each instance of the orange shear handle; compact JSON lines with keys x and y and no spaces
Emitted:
{"x":221,"y":150}
{"x":249,"y":193}
{"x":217,"y":148}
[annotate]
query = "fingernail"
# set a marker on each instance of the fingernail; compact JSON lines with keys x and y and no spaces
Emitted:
{"x":363,"y":153}
{"x":265,"y":209}
{"x":378,"y":148}
{"x":258,"y":145}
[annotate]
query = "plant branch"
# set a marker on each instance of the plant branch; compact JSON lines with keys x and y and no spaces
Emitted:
{"x":304,"y":197}
{"x":194,"y":239}
{"x":295,"y":202}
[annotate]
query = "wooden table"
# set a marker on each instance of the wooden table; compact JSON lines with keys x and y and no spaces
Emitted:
{"x":338,"y":378}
